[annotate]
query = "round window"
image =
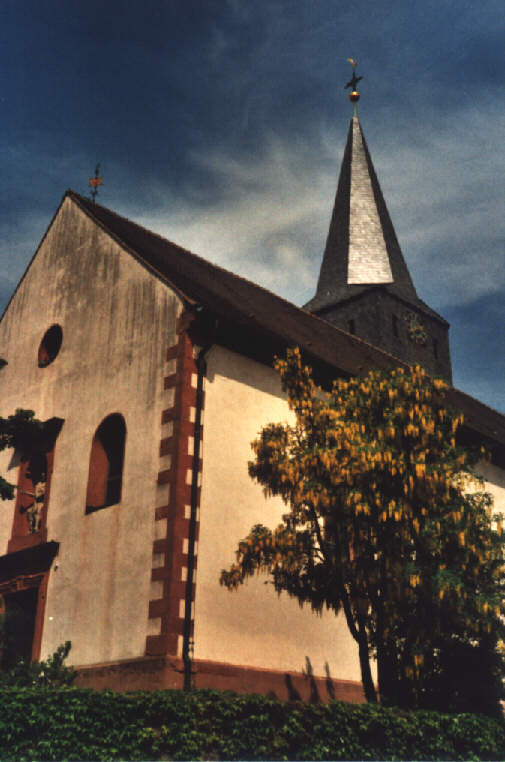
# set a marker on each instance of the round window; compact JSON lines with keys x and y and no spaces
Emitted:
{"x":50,"y":345}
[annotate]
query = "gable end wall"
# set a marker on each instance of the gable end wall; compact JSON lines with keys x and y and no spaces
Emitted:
{"x":117,"y":321}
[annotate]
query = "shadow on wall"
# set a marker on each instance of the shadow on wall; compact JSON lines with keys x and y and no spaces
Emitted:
{"x":315,"y":685}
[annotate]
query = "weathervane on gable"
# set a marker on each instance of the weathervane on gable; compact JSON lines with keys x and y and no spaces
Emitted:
{"x":95,"y":182}
{"x":353,"y":82}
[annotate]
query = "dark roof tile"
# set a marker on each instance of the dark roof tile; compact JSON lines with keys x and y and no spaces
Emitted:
{"x":256,"y":309}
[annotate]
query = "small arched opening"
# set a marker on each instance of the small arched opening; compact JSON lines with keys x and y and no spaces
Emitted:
{"x":105,"y":477}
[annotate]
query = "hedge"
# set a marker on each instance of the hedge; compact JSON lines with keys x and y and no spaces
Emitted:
{"x":77,"y":724}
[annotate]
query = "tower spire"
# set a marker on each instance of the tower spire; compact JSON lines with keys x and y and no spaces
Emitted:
{"x":364,"y":284}
{"x":362,"y":249}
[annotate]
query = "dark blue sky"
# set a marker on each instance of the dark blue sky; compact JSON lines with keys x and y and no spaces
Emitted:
{"x":221,"y":124}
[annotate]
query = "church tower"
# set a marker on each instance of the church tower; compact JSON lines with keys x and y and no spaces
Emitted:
{"x":364,"y":284}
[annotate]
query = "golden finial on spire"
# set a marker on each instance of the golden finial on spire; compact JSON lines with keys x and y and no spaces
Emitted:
{"x":353,"y":95}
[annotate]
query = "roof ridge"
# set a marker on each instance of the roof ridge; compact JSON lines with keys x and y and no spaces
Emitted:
{"x":78,"y":199}
{"x":356,"y":339}
{"x":250,"y":311}
{"x":201,"y":259}
{"x":478,"y":401}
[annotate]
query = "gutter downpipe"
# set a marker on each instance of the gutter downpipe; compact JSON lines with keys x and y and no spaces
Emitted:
{"x":187,"y":641}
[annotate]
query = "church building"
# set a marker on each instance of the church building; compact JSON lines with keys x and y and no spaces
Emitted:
{"x":152,"y":370}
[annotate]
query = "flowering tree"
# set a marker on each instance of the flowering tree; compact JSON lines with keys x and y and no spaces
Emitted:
{"x":385,"y":523}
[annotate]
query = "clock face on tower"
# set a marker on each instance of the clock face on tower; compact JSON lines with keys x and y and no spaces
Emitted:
{"x":415,"y":329}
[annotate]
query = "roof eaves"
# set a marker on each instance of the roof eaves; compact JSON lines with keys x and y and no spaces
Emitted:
{"x":323,"y":344}
{"x":136,"y":254}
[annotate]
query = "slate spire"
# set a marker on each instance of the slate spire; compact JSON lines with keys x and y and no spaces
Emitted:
{"x":362,"y":249}
{"x":364,"y":284}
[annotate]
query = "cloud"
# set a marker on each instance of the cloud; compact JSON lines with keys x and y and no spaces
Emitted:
{"x":268,"y":218}
{"x":222,"y":127}
{"x":18,"y":247}
{"x":264,"y":213}
{"x":445,"y":190}
{"x":268,"y":214}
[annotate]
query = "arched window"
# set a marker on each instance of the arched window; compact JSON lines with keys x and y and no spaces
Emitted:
{"x":106,"y":464}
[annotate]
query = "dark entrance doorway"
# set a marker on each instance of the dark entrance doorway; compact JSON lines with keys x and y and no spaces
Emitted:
{"x":20,"y":610}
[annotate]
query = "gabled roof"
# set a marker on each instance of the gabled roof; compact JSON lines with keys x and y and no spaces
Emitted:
{"x":236,"y":299}
{"x":362,"y":250}
{"x":255,"y":311}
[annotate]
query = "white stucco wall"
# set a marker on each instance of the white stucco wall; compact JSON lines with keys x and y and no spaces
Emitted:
{"x":117,"y":321}
{"x":252,"y":626}
{"x":494,"y":478}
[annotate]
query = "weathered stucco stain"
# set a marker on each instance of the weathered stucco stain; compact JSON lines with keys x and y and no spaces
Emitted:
{"x":117,"y":320}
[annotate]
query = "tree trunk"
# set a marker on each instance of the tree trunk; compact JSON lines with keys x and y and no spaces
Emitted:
{"x":366,"y":672}
{"x":388,"y":676}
